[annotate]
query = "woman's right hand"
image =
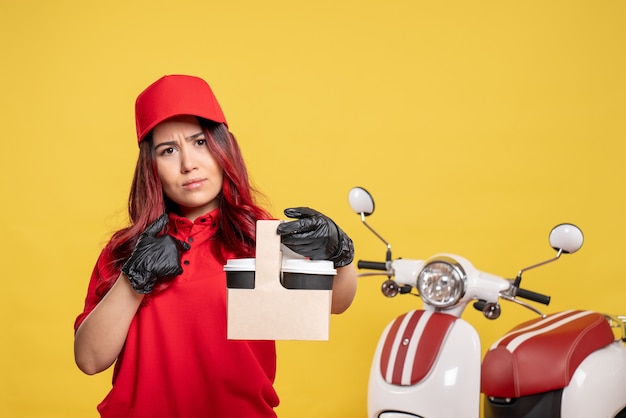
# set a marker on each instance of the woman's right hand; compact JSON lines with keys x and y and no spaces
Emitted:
{"x":154,"y":257}
{"x":102,"y":334}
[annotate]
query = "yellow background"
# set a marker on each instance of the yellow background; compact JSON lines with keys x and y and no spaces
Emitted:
{"x":477,"y":125}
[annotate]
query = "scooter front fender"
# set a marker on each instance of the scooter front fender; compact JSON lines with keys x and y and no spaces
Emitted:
{"x":449,"y":388}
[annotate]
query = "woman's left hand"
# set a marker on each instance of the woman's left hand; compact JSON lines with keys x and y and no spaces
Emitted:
{"x":316,"y":236}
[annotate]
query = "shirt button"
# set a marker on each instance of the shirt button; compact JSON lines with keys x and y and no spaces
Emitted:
{"x":186,"y":262}
{"x":190,"y":239}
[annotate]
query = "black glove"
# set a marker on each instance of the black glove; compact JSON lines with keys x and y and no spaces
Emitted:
{"x":316,"y":236}
{"x":154,"y":257}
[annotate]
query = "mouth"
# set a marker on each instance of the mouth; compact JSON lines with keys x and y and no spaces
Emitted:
{"x":193,"y":184}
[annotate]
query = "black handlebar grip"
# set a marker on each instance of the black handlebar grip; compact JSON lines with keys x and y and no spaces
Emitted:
{"x":530,"y":295}
{"x":372,"y":265}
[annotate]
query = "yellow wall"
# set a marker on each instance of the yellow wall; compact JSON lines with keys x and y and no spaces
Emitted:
{"x":477,"y":125}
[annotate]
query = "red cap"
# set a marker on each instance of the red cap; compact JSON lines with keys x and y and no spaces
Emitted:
{"x":175,"y":95}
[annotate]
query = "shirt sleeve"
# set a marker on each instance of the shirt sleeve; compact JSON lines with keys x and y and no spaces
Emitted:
{"x":102,"y":278}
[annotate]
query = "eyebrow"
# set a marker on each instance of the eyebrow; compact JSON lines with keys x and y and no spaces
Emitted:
{"x":189,"y":138}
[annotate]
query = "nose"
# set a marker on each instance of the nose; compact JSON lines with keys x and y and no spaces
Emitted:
{"x":187,"y":160}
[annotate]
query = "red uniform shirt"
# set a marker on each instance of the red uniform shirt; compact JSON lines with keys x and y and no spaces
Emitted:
{"x":177,"y":361}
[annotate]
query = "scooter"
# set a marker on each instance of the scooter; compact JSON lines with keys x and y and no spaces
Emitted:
{"x":427,"y":363}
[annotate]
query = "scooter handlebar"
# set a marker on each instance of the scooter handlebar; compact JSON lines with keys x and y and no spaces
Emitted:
{"x":372,"y":265}
{"x":534,"y":296}
{"x":521,"y":293}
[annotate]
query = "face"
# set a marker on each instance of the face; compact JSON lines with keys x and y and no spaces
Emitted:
{"x":190,"y":176}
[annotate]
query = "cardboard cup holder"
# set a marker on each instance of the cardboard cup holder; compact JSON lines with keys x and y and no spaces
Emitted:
{"x":278,"y":295}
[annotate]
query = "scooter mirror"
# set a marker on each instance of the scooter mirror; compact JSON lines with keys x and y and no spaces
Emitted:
{"x":361,"y":201}
{"x":363,"y":204}
{"x":567,"y":238}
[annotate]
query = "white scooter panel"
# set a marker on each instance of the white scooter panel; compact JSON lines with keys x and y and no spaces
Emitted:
{"x":426,"y":364}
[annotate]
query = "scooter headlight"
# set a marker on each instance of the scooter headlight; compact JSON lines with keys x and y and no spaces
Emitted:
{"x":441,"y":282}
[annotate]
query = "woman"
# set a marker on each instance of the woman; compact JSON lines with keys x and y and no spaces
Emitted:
{"x":156,"y":302}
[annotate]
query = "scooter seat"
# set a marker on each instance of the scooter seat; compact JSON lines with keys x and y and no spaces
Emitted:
{"x":542,"y":354}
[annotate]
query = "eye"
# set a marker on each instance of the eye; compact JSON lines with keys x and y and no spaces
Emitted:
{"x":201,"y":142}
{"x":167,"y":151}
